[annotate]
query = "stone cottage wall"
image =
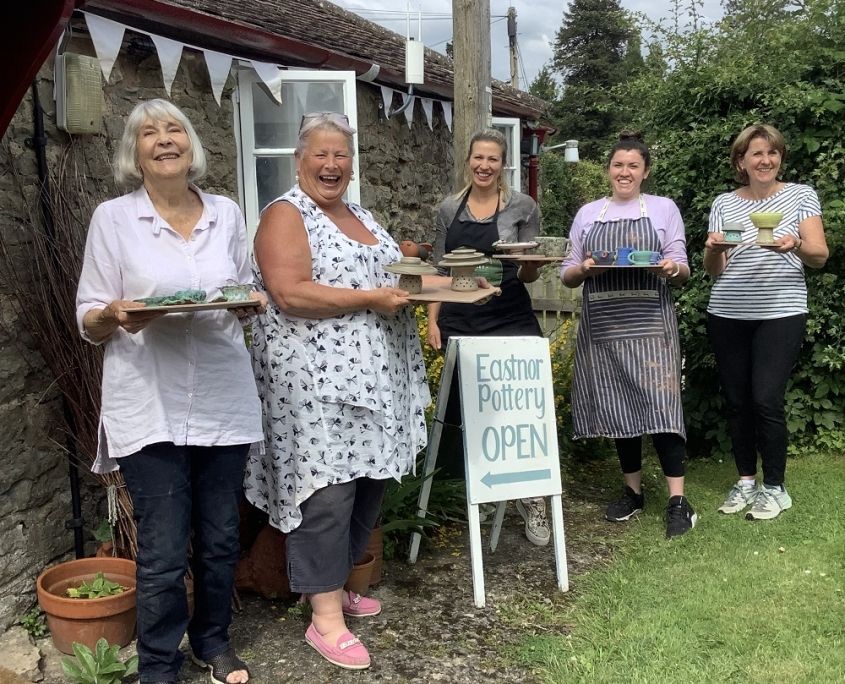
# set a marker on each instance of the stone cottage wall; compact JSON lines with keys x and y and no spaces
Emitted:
{"x":404,"y":175}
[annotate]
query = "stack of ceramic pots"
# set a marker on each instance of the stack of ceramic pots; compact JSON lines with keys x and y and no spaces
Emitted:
{"x":410,"y":270}
{"x":461,"y":263}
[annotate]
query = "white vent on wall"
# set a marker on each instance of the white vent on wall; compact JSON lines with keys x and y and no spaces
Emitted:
{"x":79,"y":93}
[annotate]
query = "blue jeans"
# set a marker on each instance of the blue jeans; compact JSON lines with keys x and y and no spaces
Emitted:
{"x":175,"y":489}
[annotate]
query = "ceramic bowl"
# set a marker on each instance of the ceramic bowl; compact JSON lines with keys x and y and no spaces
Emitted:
{"x":766,"y":219}
{"x":236,"y":293}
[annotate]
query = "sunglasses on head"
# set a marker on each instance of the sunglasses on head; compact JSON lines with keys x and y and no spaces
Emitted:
{"x":331,"y":116}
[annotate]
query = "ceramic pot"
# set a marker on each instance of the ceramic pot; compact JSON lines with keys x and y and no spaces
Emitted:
{"x":375,"y":547}
{"x":87,"y":620}
{"x":359,"y":578}
{"x":412,"y":284}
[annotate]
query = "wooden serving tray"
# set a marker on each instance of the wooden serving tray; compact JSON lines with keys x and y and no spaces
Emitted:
{"x":444,"y":293}
{"x":764,"y":245}
{"x":530,"y":257}
{"x":188,"y":308}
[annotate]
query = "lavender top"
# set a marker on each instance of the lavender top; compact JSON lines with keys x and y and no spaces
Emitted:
{"x":664,"y":215}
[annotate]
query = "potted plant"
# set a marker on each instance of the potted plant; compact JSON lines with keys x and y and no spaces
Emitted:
{"x":100,"y":666}
{"x":88,"y":599}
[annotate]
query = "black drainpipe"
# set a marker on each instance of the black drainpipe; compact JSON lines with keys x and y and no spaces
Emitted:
{"x":39,"y":144}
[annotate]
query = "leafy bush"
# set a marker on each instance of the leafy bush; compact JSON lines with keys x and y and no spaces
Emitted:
{"x":100,"y":666}
{"x":564,"y":188}
{"x":789,"y":70}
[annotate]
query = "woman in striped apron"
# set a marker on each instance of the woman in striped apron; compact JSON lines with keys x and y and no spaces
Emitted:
{"x":627,"y":362}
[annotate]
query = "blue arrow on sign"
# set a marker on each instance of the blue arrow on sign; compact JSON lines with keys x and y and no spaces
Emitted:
{"x":509,"y":478}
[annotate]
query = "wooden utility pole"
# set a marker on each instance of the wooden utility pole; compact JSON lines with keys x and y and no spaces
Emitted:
{"x":473,"y":107}
{"x":512,"y":47}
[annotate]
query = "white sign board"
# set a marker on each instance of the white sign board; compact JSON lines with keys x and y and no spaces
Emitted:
{"x":510,"y":435}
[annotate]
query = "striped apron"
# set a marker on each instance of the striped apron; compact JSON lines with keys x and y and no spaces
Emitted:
{"x":627,"y":361}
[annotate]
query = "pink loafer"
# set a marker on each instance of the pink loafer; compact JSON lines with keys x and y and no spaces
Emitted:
{"x":348,"y":653}
{"x":355,"y":605}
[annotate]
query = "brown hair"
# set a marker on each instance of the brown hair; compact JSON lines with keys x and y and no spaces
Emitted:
{"x":743,"y":141}
{"x":630,"y":140}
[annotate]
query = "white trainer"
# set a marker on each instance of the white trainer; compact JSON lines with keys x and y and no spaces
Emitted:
{"x":769,"y":503}
{"x":738,"y":498}
{"x":533,"y":512}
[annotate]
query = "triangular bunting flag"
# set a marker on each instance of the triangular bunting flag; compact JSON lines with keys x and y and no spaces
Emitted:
{"x":169,"y":56}
{"x":409,"y":110}
{"x":107,"y":37}
{"x":428,"y":110}
{"x":447,"y":113}
{"x":219,"y":66}
{"x":272,"y":77}
{"x":387,"y":99}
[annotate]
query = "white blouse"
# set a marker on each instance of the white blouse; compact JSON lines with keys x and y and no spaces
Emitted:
{"x":186,"y":378}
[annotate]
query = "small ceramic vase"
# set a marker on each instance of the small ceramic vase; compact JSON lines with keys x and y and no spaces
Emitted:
{"x":733,"y":231}
{"x":461,"y":264}
{"x":765,"y":222}
{"x":411,"y":270}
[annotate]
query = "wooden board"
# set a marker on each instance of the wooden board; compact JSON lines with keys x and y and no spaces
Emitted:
{"x":444,"y":293}
{"x":530,"y":257}
{"x":764,"y":245}
{"x":188,"y":308}
{"x":625,"y":266}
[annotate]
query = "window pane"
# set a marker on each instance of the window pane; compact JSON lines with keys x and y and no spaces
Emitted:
{"x":278,"y":126}
{"x":274,"y":177}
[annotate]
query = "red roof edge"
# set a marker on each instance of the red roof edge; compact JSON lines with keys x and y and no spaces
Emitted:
{"x":37,"y":26}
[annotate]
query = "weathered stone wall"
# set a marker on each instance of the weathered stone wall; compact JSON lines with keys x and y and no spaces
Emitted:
{"x":404,"y":175}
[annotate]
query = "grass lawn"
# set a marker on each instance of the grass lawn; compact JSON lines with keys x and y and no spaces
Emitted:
{"x":731,"y":601}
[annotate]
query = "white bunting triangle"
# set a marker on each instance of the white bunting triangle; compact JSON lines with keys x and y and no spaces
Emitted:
{"x":272,"y":77}
{"x":107,"y":37}
{"x":428,"y":110}
{"x":387,"y":99}
{"x":409,"y":110}
{"x":169,"y":56}
{"x":218,"y":71}
{"x":447,"y":113}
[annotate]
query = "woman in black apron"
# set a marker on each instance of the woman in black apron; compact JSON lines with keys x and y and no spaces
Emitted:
{"x":627,"y":379}
{"x":486,"y":211}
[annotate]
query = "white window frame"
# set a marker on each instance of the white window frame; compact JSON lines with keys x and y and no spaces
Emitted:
{"x":245,"y":135}
{"x":513,"y":134}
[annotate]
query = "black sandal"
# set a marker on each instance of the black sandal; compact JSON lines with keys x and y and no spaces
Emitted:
{"x":222,"y":665}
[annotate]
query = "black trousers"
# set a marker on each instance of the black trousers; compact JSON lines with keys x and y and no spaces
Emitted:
{"x":755,"y":359}
{"x":337,"y":521}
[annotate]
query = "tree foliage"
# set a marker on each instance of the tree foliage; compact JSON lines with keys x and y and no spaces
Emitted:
{"x":787,"y":69}
{"x":596,"y":48}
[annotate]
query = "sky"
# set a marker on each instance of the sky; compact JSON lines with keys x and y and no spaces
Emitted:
{"x":537,"y":24}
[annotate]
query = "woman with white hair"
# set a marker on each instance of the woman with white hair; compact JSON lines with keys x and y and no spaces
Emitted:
{"x":179,"y":404}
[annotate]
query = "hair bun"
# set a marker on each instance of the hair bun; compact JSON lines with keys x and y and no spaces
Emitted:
{"x":630,"y":134}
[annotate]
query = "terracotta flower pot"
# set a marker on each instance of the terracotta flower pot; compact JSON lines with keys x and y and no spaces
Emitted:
{"x":87,"y":620}
{"x":375,"y":547}
{"x":359,"y":579}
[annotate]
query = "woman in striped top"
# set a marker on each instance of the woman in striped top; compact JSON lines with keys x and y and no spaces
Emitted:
{"x":757,"y":312}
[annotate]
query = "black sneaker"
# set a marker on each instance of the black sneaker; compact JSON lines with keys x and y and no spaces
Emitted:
{"x":680,"y":518}
{"x":622,"y":509}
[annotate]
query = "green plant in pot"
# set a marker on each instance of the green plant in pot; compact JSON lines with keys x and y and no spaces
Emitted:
{"x":103,"y":607}
{"x":102,"y":665}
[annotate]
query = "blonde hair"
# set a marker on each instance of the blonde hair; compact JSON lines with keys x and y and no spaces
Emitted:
{"x":743,"y":141}
{"x":324,"y":121}
{"x":493,"y":136}
{"x":126,"y":168}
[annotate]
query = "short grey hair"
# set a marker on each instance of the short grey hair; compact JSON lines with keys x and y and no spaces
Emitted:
{"x":126,"y":168}
{"x":324,"y":121}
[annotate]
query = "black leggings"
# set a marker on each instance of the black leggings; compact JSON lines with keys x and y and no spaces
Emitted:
{"x":668,"y":445}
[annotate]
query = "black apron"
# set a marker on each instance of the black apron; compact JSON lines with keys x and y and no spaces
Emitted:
{"x":510,"y":314}
{"x":627,"y":379}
